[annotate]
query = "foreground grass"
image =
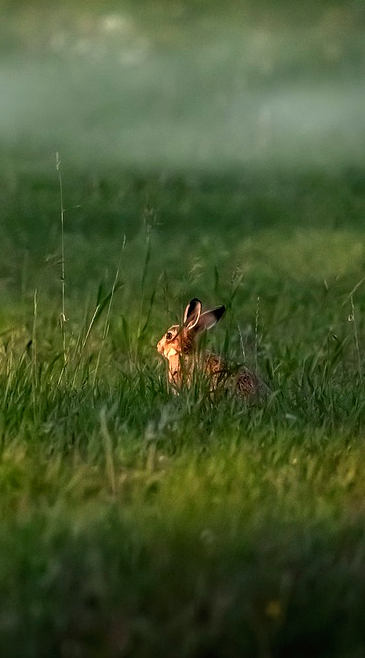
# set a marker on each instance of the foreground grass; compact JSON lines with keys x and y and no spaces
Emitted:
{"x":232,"y":547}
{"x":129,"y":543}
{"x":139,"y":523}
{"x":206,"y":555}
{"x":135,"y":522}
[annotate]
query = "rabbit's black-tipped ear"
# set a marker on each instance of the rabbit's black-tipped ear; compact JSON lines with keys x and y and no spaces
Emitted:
{"x":208,"y":319}
{"x":192,"y":314}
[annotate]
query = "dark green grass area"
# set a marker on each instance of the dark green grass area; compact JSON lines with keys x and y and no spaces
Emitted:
{"x":139,"y":523}
{"x":262,"y":222}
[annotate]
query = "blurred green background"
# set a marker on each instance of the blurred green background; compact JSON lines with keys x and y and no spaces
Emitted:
{"x":222,"y":119}
{"x":183,"y":85}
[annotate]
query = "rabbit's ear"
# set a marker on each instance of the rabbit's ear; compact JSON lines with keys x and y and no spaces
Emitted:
{"x":208,"y":319}
{"x":192,"y":314}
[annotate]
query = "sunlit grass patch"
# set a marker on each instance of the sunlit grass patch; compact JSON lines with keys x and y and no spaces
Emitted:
{"x":310,"y":255}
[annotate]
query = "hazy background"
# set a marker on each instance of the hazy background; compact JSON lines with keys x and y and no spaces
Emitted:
{"x":183,"y":84}
{"x":221,"y":118}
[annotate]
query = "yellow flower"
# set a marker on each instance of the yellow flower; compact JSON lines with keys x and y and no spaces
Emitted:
{"x":273,"y":609}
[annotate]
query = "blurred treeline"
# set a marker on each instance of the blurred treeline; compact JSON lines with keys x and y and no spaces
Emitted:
{"x":29,"y":23}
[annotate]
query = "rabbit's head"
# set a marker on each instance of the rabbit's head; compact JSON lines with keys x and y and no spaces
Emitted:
{"x":180,"y":339}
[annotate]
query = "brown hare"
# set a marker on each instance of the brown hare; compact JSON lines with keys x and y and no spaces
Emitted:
{"x":179,"y":347}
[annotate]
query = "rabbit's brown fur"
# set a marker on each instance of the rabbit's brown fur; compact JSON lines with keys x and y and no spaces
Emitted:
{"x":178,"y":346}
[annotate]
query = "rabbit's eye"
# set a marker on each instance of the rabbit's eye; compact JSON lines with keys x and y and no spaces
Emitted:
{"x":169,"y":335}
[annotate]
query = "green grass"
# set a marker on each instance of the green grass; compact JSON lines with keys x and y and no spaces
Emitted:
{"x":204,"y":153}
{"x":136,"y":522}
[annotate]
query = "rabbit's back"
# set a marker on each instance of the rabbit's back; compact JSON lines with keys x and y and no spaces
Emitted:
{"x":242,"y":379}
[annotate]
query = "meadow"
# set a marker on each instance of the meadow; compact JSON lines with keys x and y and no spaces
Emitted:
{"x":135,"y":522}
